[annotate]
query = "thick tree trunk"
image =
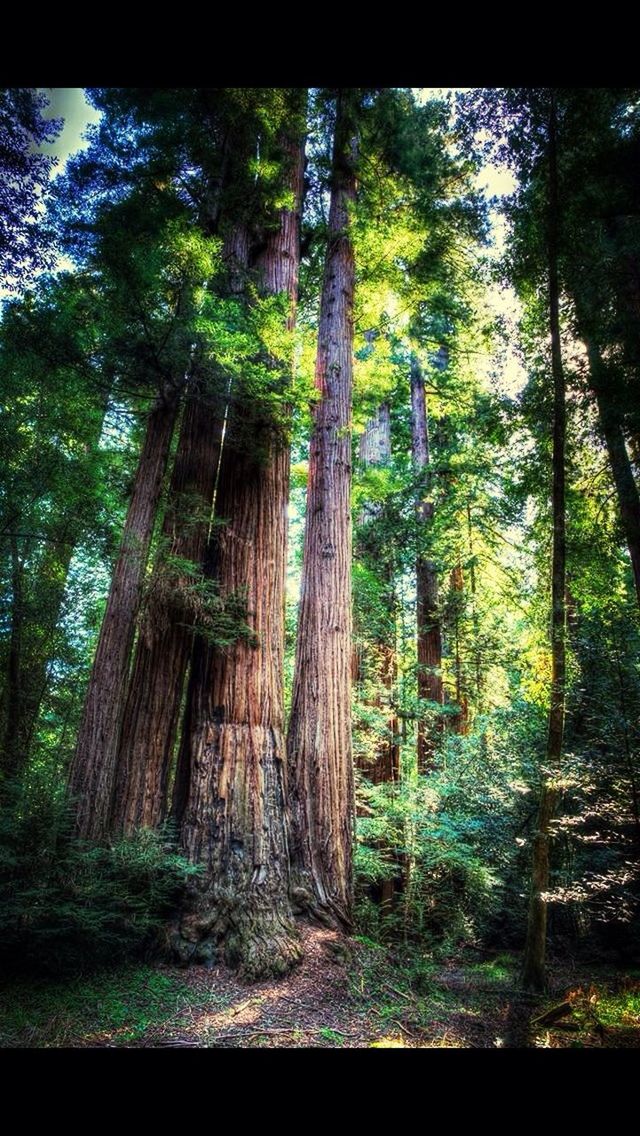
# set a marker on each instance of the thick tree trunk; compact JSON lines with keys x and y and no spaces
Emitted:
{"x":429,"y":634}
{"x":166,"y":638}
{"x":92,"y":776}
{"x":232,"y":803}
{"x":165,"y":642}
{"x":319,"y":739}
{"x":533,"y":975}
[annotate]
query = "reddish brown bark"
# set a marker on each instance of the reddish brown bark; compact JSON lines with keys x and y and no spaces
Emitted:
{"x":92,"y":775}
{"x":165,"y":640}
{"x":429,"y":635}
{"x":232,"y":803}
{"x":319,"y":738}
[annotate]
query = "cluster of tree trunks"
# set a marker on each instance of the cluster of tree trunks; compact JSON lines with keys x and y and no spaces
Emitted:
{"x":230,"y":792}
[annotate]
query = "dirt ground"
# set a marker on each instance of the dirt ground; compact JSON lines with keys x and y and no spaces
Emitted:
{"x":348,"y":995}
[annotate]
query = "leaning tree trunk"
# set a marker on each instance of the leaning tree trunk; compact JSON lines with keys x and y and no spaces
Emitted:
{"x":165,"y":641}
{"x":319,"y":738}
{"x":429,"y":634}
{"x":533,"y":973}
{"x":92,"y":776}
{"x":233,"y":801}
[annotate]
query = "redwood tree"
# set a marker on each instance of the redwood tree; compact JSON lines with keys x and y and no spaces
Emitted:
{"x":319,"y":738}
{"x":231,"y":784}
{"x":165,"y":641}
{"x":92,"y":775}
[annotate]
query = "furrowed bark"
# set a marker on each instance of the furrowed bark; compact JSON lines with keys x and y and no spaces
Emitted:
{"x":319,"y":738}
{"x":92,"y":775}
{"x":231,"y":790}
{"x":166,"y":638}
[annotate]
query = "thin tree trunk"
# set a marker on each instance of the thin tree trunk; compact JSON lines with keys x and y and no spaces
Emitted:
{"x":319,"y":739}
{"x":92,"y":775}
{"x":429,"y":635}
{"x":533,"y":975}
{"x":233,"y":803}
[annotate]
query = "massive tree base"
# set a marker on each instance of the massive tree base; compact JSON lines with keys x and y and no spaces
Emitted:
{"x":259,"y":944}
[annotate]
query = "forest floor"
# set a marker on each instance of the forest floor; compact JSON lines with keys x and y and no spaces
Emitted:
{"x":346,"y":994}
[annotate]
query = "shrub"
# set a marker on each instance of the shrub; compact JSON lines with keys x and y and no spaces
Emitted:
{"x":66,"y":905}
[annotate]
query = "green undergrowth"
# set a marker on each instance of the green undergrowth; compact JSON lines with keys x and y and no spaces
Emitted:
{"x":420,"y":998}
{"x":68,"y":907}
{"x":114,"y":1007}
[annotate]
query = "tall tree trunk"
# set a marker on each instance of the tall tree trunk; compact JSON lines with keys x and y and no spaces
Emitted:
{"x":429,"y":634}
{"x":319,"y":738}
{"x":92,"y":775}
{"x":533,"y":975}
{"x":233,"y":810}
{"x":165,"y":640}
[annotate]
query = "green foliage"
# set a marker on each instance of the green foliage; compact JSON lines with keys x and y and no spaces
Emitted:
{"x":446,"y":886}
{"x":65,"y":906}
{"x":123,"y":1001}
